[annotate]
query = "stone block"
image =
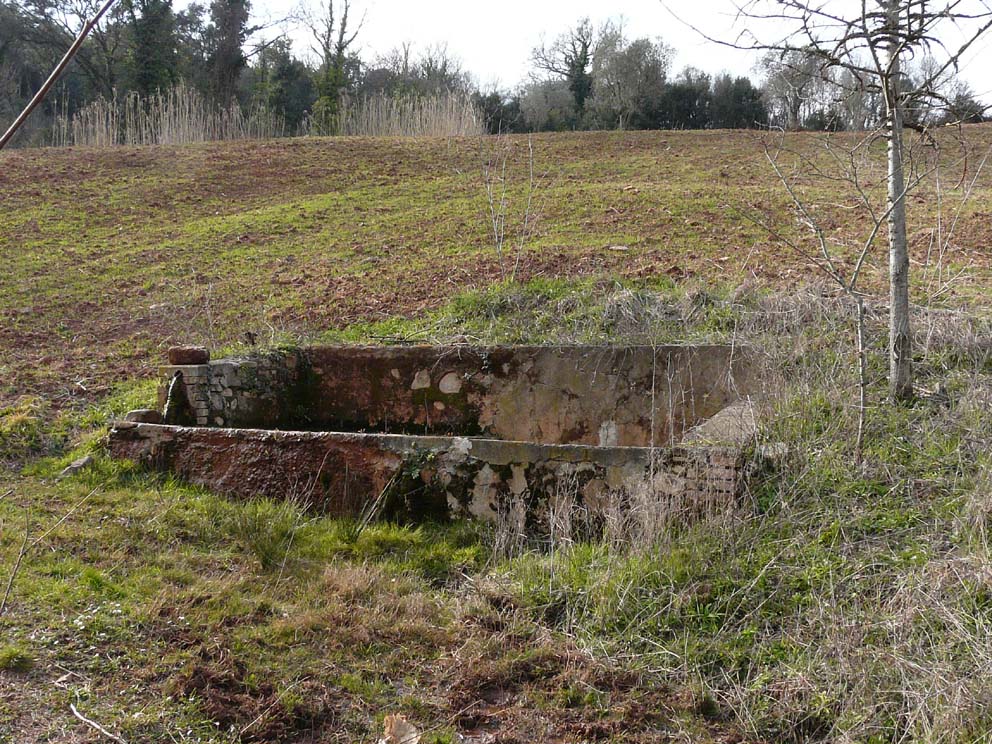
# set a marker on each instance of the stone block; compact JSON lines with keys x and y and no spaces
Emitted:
{"x":144,"y":416}
{"x":185,"y":355}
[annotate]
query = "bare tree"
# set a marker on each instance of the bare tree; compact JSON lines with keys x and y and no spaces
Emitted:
{"x":439,"y":69}
{"x":850,"y":167}
{"x":569,"y":58}
{"x":330,"y":35}
{"x":496,"y":152}
{"x":859,"y":109}
{"x":791,"y":86}
{"x":873,"y":41}
{"x":331,"y":38}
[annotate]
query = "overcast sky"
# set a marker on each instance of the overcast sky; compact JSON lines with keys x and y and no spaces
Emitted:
{"x":494,"y":39}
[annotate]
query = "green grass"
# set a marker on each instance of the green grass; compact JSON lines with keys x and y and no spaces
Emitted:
{"x":15,"y":659}
{"x":173,"y":610}
{"x":111,"y":255}
{"x":841,"y":601}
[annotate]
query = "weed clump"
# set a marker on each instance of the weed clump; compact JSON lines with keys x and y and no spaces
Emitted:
{"x":15,"y":659}
{"x":267,"y":529}
{"x":23,"y":429}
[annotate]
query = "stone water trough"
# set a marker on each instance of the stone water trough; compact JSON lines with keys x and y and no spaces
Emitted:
{"x":450,"y":431}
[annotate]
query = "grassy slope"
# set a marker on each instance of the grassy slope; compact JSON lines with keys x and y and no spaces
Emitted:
{"x":842,"y":602}
{"x":110,"y":255}
{"x":173,"y":615}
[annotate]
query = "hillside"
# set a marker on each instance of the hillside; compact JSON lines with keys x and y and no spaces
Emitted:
{"x":110,"y":255}
{"x":845,"y":598}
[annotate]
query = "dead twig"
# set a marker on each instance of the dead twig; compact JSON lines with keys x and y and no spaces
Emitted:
{"x":371,"y":511}
{"x":17,"y":566}
{"x":28,"y":547}
{"x":94,"y":725}
{"x":65,"y":516}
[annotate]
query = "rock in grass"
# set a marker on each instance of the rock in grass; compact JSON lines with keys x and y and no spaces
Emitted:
{"x":399,"y":731}
{"x":76,"y":466}
{"x":144,"y":416}
{"x":184,"y":355}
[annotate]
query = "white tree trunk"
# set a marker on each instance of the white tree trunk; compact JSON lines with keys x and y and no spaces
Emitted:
{"x":900,"y":342}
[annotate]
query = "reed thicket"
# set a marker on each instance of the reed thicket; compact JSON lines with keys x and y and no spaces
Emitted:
{"x":180,"y":115}
{"x":382,"y":115}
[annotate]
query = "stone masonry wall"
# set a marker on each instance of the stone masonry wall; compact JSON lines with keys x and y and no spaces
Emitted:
{"x":249,"y":392}
{"x":634,"y":396}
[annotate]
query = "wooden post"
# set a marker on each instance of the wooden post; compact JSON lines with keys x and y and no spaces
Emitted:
{"x":56,"y":73}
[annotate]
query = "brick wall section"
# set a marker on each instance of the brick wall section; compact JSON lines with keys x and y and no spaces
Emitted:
{"x":710,"y":476}
{"x":251,"y":392}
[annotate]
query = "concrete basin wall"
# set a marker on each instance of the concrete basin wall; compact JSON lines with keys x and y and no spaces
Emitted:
{"x":422,"y":476}
{"x":637,"y":396}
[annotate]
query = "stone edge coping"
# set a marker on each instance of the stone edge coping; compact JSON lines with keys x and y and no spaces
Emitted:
{"x":480,"y":448}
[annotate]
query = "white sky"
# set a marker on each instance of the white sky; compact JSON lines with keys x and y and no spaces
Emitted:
{"x":494,"y":39}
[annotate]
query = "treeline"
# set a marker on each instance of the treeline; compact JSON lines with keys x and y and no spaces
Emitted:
{"x":802,"y":95}
{"x":146,"y":51}
{"x":230,"y":69}
{"x":587,"y":79}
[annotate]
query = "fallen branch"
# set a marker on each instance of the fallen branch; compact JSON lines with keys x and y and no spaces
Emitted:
{"x":95,"y":725}
{"x":17,"y":566}
{"x":27,"y":548}
{"x":63,"y":63}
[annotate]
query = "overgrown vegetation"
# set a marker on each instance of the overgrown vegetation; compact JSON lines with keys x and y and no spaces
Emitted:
{"x":836,"y":603}
{"x":843,"y":601}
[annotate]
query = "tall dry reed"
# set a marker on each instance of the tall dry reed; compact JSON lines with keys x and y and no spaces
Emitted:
{"x":382,"y":115}
{"x":177,"y":116}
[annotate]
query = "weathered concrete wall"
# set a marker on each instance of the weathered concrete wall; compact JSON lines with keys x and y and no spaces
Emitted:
{"x":632,"y":396}
{"x":341,"y":473}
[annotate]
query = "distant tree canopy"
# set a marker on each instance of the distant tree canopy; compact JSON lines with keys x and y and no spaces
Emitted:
{"x":282,"y":83}
{"x":627,"y":84}
{"x":584,"y":78}
{"x":225,"y":38}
